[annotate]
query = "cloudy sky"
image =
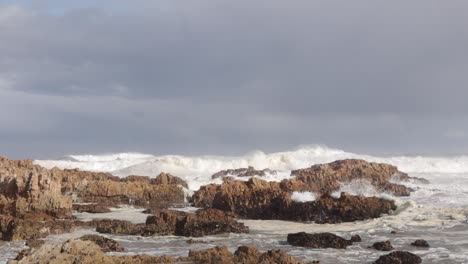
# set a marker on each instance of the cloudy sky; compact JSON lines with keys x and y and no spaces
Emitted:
{"x":228,"y":77}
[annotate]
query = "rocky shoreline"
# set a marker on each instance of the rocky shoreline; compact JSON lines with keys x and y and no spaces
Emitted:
{"x":36,"y":202}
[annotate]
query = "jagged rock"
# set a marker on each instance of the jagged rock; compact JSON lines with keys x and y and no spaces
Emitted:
{"x":420,"y":243}
{"x":326,"y":178}
{"x":106,"y":244}
{"x":243,"y":172}
{"x":259,"y":199}
{"x":383,"y":246}
{"x":166,"y":222}
{"x":243,"y":255}
{"x":91,"y":208}
{"x":123,"y":227}
{"x":26,"y":188}
{"x":399,"y":257}
{"x":168,"y":179}
{"x":84,"y":252}
{"x":87,"y":252}
{"x":318,"y":240}
{"x":13,"y":229}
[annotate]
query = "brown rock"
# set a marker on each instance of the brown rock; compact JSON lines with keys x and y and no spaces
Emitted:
{"x":318,"y":240}
{"x":87,"y":252}
{"x":106,"y":244}
{"x":399,"y":257}
{"x":91,"y":208}
{"x":383,"y":246}
{"x":13,"y":229}
{"x":326,"y":178}
{"x":166,"y":222}
{"x":259,"y":199}
{"x":168,"y":179}
{"x":35,"y":243}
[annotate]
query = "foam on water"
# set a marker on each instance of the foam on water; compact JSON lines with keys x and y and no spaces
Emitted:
{"x":197,"y":170}
{"x":302,"y":197}
{"x":436,"y":212}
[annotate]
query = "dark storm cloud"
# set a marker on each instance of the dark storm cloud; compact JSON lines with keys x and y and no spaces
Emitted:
{"x":231,"y":76}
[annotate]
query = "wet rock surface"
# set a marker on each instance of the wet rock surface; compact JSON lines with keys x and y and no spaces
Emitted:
{"x":383,"y":246}
{"x":91,"y":208}
{"x":259,"y":199}
{"x":318,"y":240}
{"x":243,"y":172}
{"x":420,"y":243}
{"x":106,"y":244}
{"x":399,"y":257}
{"x":166,"y":222}
{"x":79,"y":251}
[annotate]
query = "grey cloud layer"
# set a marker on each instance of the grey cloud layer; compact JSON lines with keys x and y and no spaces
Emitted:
{"x":231,"y":76}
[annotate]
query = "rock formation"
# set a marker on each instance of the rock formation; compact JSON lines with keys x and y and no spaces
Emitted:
{"x":318,"y":240}
{"x":383,"y":246}
{"x":87,"y":252}
{"x":327,"y":178}
{"x":420,"y":243}
{"x":259,"y":199}
{"x":106,"y":244}
{"x":166,"y":222}
{"x":399,"y":257}
{"x":33,"y":199}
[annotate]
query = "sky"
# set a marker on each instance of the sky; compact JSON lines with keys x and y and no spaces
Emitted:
{"x":228,"y":77}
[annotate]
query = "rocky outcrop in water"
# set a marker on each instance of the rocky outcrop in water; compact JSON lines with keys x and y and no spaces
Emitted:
{"x":91,"y":208}
{"x":327,"y":178}
{"x":383,"y":246}
{"x":243,"y":172}
{"x":87,"y":252}
{"x":259,"y":199}
{"x":243,"y":255}
{"x":420,"y":243}
{"x":34,"y":199}
{"x":106,"y":244}
{"x":399,"y":257}
{"x":166,"y":222}
{"x":13,"y":229}
{"x":319,"y":240}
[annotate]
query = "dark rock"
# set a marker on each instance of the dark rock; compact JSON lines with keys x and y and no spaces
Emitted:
{"x":399,"y":257}
{"x":383,"y":246}
{"x":318,"y":240}
{"x":166,"y":222}
{"x":356,"y":238}
{"x":420,"y":243}
{"x":106,"y":244}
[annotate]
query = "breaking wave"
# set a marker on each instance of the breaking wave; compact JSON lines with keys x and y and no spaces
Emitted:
{"x":197,"y":170}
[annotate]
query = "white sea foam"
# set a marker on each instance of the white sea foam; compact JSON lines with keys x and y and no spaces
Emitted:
{"x":197,"y":170}
{"x":436,"y":212}
{"x":303,"y":197}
